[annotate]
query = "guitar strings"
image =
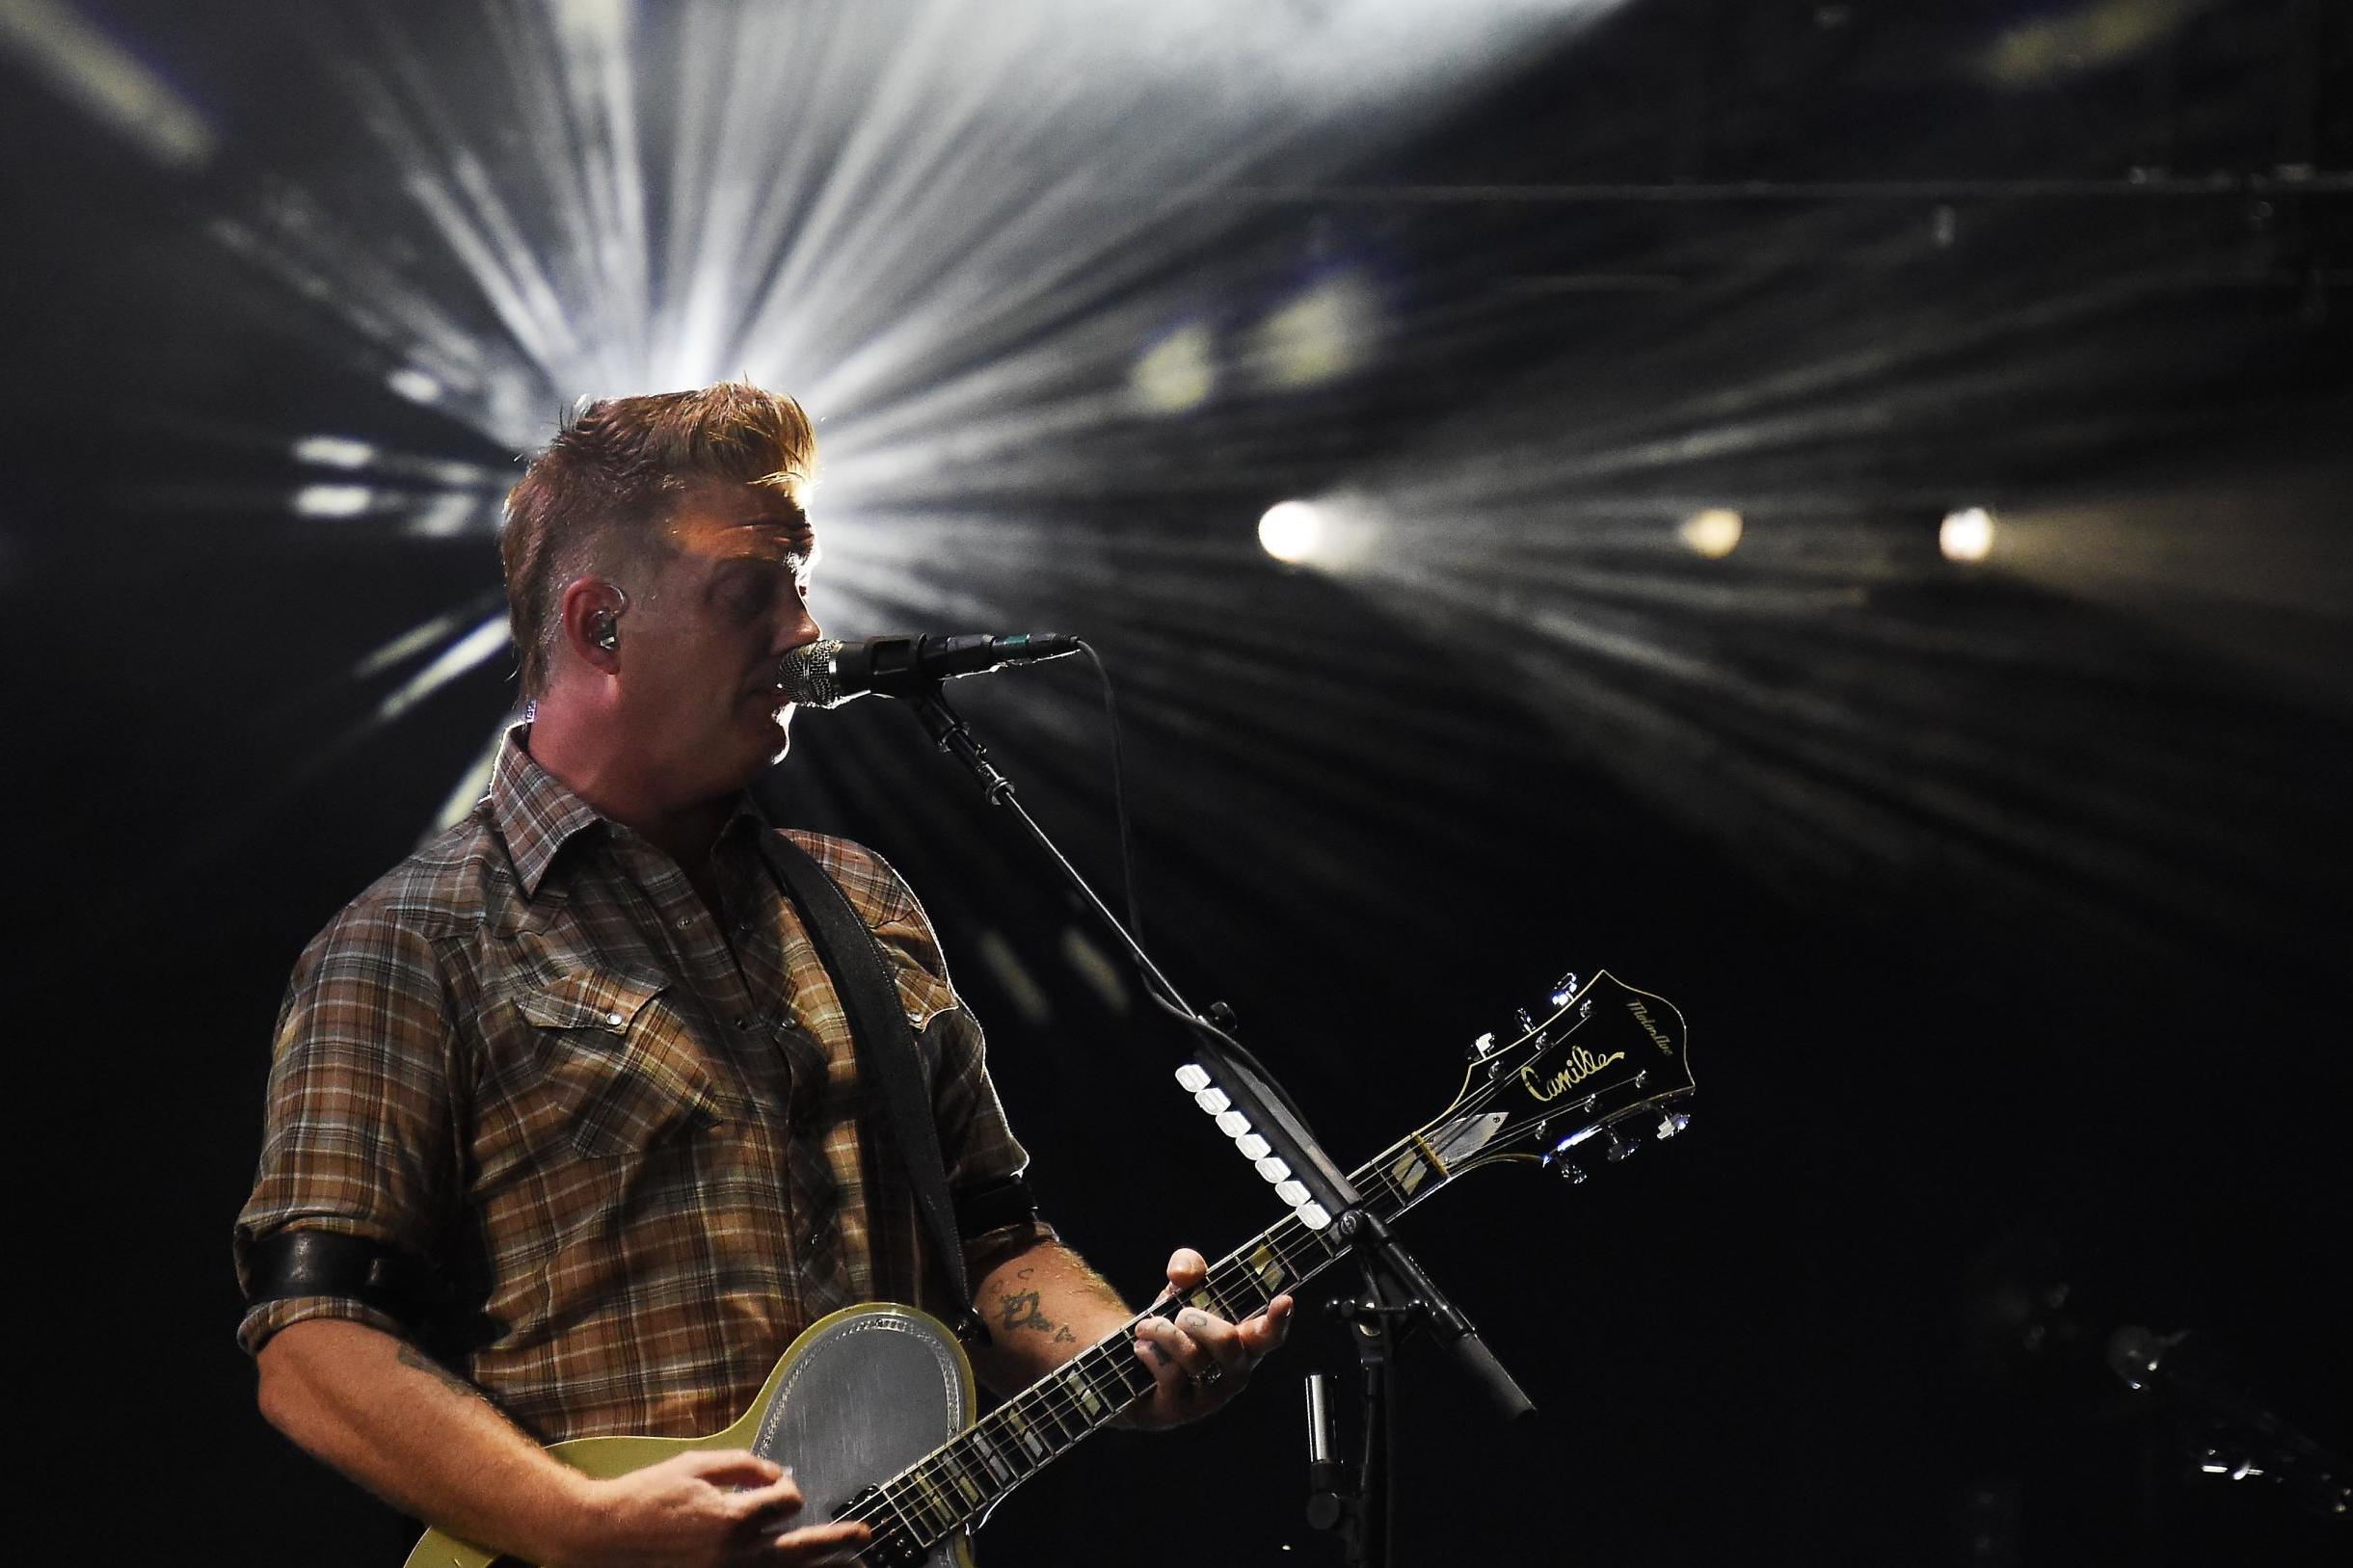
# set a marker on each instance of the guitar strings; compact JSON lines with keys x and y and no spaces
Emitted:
{"x":1052,"y":1398}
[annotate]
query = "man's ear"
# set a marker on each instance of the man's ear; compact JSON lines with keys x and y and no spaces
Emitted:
{"x":591,"y":611}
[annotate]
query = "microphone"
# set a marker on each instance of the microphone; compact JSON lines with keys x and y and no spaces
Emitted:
{"x":829,"y":673}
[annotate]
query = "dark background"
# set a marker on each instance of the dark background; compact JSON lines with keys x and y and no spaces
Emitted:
{"x":2006,"y":901}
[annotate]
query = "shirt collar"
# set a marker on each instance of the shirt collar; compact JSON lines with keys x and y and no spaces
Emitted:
{"x":538,"y":814}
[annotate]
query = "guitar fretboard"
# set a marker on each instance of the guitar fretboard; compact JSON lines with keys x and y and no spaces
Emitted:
{"x":958,"y":1483}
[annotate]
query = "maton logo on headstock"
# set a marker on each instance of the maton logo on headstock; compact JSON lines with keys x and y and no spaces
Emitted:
{"x":1642,"y":1016}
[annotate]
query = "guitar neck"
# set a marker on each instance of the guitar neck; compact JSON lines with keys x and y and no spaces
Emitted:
{"x":954,"y":1485}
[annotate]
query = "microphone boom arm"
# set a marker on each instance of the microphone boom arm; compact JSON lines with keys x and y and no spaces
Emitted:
{"x":1263,"y":1101}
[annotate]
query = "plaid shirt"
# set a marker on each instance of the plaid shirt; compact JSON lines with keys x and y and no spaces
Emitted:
{"x":626,"y":1137}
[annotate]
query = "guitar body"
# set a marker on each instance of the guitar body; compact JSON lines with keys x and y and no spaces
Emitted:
{"x":861,"y":1394}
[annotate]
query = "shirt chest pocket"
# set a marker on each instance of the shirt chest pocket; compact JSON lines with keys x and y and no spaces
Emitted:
{"x":924,"y":996}
{"x":620,"y":1065}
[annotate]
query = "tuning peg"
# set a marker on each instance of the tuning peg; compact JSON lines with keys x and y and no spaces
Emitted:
{"x":1671,"y":1122}
{"x":1573,"y":1175}
{"x":1564,"y":988}
{"x":1620,"y":1146}
{"x":1526,"y":1021}
{"x":1481,"y":1047}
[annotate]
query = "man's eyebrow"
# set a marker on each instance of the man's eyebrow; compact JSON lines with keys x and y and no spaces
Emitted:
{"x":796,"y":522}
{"x":800,"y":539}
{"x":768,"y":522}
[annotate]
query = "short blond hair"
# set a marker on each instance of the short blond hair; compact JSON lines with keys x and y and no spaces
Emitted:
{"x":594,"y":500}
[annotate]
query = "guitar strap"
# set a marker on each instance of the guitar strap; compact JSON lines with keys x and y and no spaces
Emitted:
{"x":887,"y":1052}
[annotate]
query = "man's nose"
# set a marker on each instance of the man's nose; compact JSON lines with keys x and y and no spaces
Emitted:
{"x":801,"y":627}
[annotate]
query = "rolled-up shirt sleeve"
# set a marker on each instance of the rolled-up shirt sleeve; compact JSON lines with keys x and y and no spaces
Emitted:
{"x":359,"y":1123}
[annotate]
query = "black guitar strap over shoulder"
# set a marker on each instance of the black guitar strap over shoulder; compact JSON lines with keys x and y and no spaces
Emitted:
{"x":886,"y":1050}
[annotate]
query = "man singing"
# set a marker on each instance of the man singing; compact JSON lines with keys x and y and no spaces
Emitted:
{"x":565,"y":1131}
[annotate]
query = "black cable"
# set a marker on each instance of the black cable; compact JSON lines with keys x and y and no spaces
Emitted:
{"x":1135,"y":919}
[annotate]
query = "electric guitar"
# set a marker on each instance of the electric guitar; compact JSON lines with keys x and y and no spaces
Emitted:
{"x":872,"y":1406}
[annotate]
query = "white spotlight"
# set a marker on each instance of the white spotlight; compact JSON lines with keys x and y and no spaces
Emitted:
{"x":334,"y":500}
{"x":1714,"y":532}
{"x":415,"y":385}
{"x":333,"y":452}
{"x":1321,"y":335}
{"x":1967,"y":535}
{"x":1178,"y":373}
{"x":1291,"y":530}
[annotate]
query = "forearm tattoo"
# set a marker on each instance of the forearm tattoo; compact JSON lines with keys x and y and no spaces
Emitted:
{"x":1024,"y":1309}
{"x":411,"y":1356}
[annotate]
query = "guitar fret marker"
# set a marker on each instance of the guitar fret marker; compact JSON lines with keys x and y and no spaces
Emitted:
{"x":1270,"y":1272}
{"x":929,"y":1500}
{"x":1000,"y":1468}
{"x":1028,"y":1438}
{"x":1088,"y":1399}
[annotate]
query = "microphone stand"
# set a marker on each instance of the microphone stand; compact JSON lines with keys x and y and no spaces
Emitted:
{"x":1416,"y":1295}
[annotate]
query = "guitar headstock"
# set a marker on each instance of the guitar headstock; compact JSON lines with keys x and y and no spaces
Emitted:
{"x":1602,"y":1072}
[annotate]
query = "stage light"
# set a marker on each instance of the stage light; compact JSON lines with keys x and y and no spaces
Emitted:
{"x":332,"y":500}
{"x":1290,"y":531}
{"x":1967,"y":535}
{"x":1177,"y":373}
{"x":1714,"y":532}
{"x":1321,"y":335}
{"x":450,"y":515}
{"x":2045,"y":50}
{"x":415,"y":385}
{"x":333,"y":452}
